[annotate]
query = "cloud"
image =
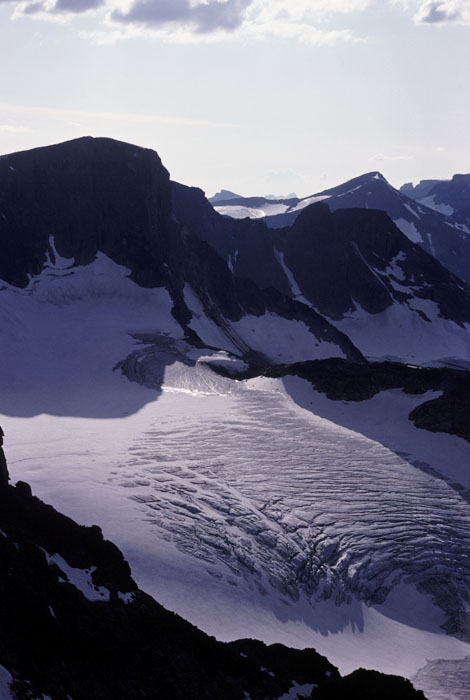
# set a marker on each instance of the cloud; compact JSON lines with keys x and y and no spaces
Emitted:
{"x":382,"y":156}
{"x":77,"y":5}
{"x":11,"y":129}
{"x":443,"y":12}
{"x":307,"y":21}
{"x":94,"y":117}
{"x":54,"y":9}
{"x":203,"y":17}
{"x":201,"y":20}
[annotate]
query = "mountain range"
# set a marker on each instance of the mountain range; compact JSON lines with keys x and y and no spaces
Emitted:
{"x":267,"y":415}
{"x":433,"y":215}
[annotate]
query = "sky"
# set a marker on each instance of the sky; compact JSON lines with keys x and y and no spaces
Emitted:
{"x":255,"y":96}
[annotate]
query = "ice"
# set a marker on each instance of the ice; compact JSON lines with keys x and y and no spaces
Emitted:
{"x":217,"y":500}
{"x":237,"y":211}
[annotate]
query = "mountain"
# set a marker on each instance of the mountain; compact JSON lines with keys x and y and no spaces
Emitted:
{"x":419,"y":191}
{"x":74,"y":624}
{"x":223,"y":195}
{"x":219,"y":397}
{"x":322,"y":285}
{"x":446,"y":196}
{"x":435,"y":232}
{"x":70,"y":208}
{"x":354,"y":267}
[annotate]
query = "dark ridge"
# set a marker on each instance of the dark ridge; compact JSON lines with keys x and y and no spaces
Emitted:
{"x":337,"y":260}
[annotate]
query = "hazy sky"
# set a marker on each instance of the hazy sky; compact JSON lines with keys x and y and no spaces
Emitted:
{"x":256,"y":96}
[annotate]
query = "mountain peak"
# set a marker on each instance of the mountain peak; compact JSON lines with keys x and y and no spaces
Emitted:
{"x":224,"y":195}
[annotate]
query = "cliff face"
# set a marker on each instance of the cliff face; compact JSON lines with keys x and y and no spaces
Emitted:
{"x":89,"y":195}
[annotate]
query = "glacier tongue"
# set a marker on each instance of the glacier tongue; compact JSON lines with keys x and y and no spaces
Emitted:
{"x":268,"y":496}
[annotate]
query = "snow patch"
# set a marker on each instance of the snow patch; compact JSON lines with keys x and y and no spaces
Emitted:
{"x":430,"y":201}
{"x":395,"y":269}
{"x":411,"y":210}
{"x":309,"y":200}
{"x":80,"y":578}
{"x":296,"y":692}
{"x":295,"y":289}
{"x":283,"y":340}
{"x":402,"y":334}
{"x":409,"y":229}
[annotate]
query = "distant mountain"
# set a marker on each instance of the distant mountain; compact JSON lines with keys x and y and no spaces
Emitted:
{"x":446,"y":196}
{"x":278,"y":197}
{"x":223,"y":195}
{"x":419,"y":191}
{"x":445,"y":238}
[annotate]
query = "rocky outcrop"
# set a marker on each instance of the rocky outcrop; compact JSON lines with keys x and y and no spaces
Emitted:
{"x":4,"y":475}
{"x":341,"y":380}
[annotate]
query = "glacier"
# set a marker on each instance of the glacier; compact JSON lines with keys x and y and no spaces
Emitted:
{"x":251,"y":507}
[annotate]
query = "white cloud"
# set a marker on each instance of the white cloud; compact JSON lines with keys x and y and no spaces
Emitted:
{"x":201,"y":20}
{"x":11,"y":129}
{"x":383,"y":156}
{"x":307,"y":21}
{"x":443,"y":12}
